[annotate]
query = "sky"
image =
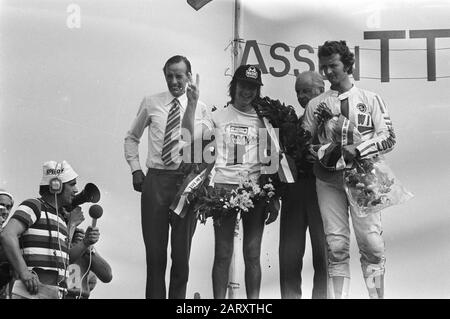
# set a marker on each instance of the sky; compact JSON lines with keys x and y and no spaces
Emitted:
{"x":71,"y":93}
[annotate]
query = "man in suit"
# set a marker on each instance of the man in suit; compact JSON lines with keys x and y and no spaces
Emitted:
{"x":299,"y":212}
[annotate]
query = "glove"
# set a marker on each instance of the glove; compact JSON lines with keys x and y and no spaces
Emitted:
{"x":138,"y":180}
{"x":273,"y":207}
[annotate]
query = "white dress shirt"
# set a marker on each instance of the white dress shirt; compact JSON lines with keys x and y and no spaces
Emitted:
{"x":153,"y":113}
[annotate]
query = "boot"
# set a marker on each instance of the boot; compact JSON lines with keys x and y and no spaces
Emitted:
{"x":374,"y":278}
{"x":338,"y":287}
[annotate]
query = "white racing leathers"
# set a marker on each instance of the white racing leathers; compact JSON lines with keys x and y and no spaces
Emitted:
{"x":369,"y":114}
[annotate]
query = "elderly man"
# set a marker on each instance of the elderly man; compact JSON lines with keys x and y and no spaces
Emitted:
{"x":299,"y":212}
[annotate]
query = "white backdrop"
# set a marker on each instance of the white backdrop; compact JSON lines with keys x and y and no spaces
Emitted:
{"x":71,"y":93}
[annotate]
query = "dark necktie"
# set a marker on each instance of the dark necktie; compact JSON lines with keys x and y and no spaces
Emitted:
{"x":344,"y":107}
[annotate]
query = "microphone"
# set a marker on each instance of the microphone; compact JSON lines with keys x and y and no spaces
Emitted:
{"x":95,"y":211}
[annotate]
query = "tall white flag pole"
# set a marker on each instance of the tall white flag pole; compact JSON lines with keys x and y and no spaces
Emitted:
{"x":237,"y":48}
{"x":233,"y":280}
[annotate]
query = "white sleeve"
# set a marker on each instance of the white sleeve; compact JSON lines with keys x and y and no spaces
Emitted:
{"x":384,"y":138}
{"x":133,"y":136}
{"x":309,"y":119}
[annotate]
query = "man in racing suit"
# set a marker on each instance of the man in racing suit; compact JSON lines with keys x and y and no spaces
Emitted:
{"x":368,"y":113}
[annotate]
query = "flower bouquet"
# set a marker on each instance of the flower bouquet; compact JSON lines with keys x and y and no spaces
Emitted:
{"x":208,"y":201}
{"x":218,"y":202}
{"x":371,"y":186}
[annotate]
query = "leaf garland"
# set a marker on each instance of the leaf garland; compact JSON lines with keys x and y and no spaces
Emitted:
{"x":294,"y":140}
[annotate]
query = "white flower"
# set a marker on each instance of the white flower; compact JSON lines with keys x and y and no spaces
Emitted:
{"x":247,"y":184}
{"x":256,"y":189}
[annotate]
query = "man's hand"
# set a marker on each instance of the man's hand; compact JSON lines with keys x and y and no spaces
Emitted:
{"x":138,"y":180}
{"x":350,"y":152}
{"x":31,"y":281}
{"x":75,"y":217}
{"x":311,"y":157}
{"x":78,"y":235}
{"x":272,"y":211}
{"x":323,"y":113}
{"x":91,"y":236}
{"x":193,"y":90}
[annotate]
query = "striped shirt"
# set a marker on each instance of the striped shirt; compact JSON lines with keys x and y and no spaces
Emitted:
{"x":44,"y":242}
{"x":367,"y":112}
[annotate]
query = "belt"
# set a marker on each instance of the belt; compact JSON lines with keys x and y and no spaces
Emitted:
{"x":306,"y":174}
{"x":158,"y":171}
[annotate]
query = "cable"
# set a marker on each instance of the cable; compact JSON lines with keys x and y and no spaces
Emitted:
{"x":65,"y":262}
{"x":87,"y":271}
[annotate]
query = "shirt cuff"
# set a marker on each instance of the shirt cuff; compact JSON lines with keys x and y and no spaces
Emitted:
{"x":135,"y":166}
{"x":361,"y":148}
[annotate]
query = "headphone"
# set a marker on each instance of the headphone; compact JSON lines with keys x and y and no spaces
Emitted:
{"x":55,"y":187}
{"x":55,"y":184}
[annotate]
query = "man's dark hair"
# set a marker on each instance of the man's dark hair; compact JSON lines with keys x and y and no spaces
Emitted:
{"x":178,"y":59}
{"x":341,"y":48}
{"x":233,"y":85}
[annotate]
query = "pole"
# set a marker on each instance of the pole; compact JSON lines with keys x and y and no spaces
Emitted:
{"x":233,"y":282}
{"x":237,"y":49}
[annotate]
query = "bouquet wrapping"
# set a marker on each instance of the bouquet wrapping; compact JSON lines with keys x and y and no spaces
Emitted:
{"x":372,"y":186}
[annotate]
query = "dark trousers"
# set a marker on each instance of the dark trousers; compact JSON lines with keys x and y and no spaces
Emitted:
{"x":300,"y":210}
{"x":160,"y":188}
